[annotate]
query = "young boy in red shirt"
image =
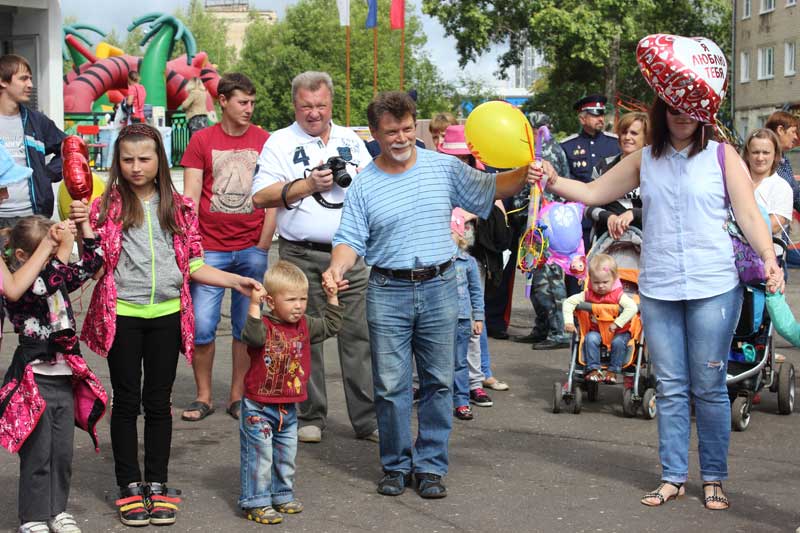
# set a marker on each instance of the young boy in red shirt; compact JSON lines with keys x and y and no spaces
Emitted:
{"x":279,"y":346}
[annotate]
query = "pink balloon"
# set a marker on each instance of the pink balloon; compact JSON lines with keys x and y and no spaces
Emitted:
{"x":688,"y":73}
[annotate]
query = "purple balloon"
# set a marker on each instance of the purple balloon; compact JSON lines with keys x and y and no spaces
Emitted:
{"x":563,"y":223}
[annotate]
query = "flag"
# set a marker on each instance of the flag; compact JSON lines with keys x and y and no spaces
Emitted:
{"x":344,"y":12}
{"x":372,"y":14}
{"x":397,"y":15}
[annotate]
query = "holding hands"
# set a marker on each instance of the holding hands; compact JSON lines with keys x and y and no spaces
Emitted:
{"x":331,"y":288}
{"x":477,"y":327}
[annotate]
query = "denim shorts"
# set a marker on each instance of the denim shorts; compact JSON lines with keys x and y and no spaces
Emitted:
{"x":207,"y":300}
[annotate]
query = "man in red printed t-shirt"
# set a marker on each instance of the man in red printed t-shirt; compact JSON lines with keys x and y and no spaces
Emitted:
{"x":219,"y":164}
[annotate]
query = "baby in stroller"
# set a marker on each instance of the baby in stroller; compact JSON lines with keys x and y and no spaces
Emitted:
{"x":603,"y":286}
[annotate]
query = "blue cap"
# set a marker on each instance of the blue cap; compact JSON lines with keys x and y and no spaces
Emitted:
{"x":10,"y":172}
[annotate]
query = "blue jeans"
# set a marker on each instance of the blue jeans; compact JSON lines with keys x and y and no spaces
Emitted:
{"x":689,"y":342}
{"x":413,"y":319}
{"x":207,"y":300}
{"x":619,"y":349}
{"x":461,"y":370}
{"x":268,"y":446}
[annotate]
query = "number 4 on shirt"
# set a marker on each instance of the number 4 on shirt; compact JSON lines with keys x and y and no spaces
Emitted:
{"x":300,"y":156}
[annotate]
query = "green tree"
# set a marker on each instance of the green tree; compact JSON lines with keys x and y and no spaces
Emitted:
{"x":210,"y":33}
{"x":589,"y":44}
{"x":310,"y":38}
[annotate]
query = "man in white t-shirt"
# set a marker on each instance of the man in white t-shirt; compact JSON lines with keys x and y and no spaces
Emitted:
{"x":29,"y":137}
{"x":309,"y":203}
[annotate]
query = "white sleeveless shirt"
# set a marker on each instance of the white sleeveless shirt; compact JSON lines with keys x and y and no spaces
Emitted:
{"x":686,"y":252}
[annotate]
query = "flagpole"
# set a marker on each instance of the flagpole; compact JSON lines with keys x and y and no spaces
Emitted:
{"x":347,"y":77}
{"x":402,"y":53}
{"x":374,"y":61}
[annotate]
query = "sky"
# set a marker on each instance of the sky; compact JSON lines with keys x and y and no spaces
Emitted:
{"x":439,"y":47}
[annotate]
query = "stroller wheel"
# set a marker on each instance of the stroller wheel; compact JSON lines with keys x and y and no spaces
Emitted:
{"x":740,"y":413}
{"x":649,"y":404}
{"x":592,"y":391}
{"x":577,"y":402}
{"x":558,"y":397}
{"x":628,"y":406}
{"x":786,"y":389}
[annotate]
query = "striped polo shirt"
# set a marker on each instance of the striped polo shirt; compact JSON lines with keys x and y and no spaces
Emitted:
{"x":402,"y":221}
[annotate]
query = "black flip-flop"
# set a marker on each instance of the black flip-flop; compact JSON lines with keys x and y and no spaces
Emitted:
{"x":234,"y":409}
{"x":201,"y":407}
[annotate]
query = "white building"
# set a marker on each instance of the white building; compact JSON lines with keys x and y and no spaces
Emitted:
{"x":32,"y":29}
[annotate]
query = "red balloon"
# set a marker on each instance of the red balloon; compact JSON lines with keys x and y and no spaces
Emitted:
{"x":114,"y":97}
{"x":77,"y":176}
{"x":688,"y":73}
{"x":73,"y":144}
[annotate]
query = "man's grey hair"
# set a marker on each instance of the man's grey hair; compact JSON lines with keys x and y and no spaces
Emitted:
{"x":311,"y":81}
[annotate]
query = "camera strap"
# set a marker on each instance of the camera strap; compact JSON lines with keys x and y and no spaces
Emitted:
{"x":325,"y":203}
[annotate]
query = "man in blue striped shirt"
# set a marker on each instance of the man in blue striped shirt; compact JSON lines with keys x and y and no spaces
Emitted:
{"x":397,"y":216}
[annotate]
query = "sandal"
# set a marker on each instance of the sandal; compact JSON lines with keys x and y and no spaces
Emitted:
{"x":611,"y":378}
{"x":715,"y":497}
{"x":201,"y":407}
{"x":595,"y":376}
{"x":234,"y":409}
{"x":659,"y":495}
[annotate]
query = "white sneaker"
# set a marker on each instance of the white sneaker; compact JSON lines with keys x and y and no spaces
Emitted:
{"x":373,"y":437}
{"x":34,"y":527}
{"x":309,"y":434}
{"x":63,"y":523}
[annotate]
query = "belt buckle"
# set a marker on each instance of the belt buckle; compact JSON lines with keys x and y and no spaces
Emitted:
{"x":413,"y":274}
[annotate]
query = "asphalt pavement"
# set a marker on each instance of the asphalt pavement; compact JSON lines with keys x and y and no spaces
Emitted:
{"x":516,"y":468}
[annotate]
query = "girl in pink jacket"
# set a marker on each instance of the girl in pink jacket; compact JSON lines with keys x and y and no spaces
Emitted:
{"x":48,"y":389}
{"x":140,"y":316}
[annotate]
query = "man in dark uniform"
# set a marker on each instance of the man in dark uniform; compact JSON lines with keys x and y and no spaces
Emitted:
{"x":584,"y":150}
{"x":590,"y":145}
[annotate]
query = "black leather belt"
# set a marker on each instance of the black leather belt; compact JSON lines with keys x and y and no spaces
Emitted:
{"x":318,"y":246}
{"x":415,"y":274}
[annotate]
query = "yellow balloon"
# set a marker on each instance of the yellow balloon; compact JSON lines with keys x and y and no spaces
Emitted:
{"x":64,"y":199}
{"x":499,"y":135}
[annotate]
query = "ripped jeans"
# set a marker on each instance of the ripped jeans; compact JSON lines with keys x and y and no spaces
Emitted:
{"x":689,"y":341}
{"x":268,"y":446}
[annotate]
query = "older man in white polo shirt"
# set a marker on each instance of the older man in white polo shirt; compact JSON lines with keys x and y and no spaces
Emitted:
{"x":309,"y":204}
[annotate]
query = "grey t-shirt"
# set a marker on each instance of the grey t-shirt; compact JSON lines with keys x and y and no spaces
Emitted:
{"x":147,"y":272}
{"x":18,"y":203}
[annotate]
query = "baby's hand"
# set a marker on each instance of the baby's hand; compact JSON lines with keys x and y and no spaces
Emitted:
{"x":569,"y":328}
{"x":257,"y":295}
{"x":613,"y":327}
{"x":330,"y":286}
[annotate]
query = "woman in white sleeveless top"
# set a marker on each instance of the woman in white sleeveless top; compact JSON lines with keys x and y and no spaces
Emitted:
{"x":688,"y":283}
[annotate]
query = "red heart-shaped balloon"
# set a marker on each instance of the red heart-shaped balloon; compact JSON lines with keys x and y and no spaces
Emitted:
{"x":77,"y":176}
{"x":74,"y":144}
{"x":688,"y":73}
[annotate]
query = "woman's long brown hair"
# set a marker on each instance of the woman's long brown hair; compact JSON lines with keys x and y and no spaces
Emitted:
{"x":659,"y":131}
{"x":132,"y":213}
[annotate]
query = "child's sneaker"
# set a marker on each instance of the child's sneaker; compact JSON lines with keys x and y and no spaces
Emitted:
{"x":480,"y":398}
{"x":463,"y":413}
{"x":132,"y":511}
{"x":34,"y":527}
{"x":263,"y":515}
{"x":162,"y":504}
{"x":63,"y":523}
{"x":292,"y":507}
